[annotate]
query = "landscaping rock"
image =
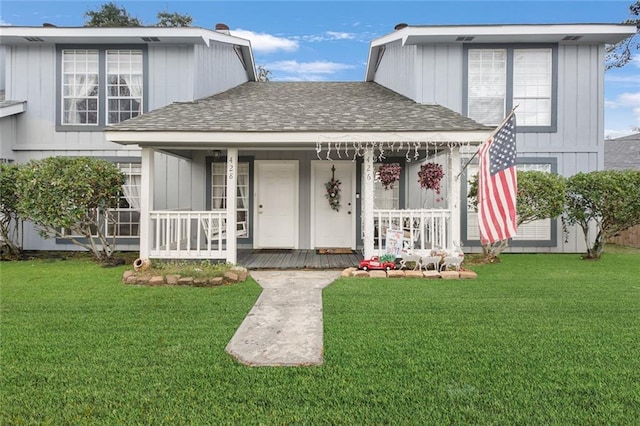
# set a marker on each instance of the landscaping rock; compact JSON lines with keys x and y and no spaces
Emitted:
{"x":431,"y":274}
{"x":216,"y":281}
{"x":361,"y":274}
{"x":185,"y":281}
{"x":131,"y":279}
{"x":348,"y":272}
{"x":143,"y":279}
{"x":378,"y":274}
{"x":468,"y":275}
{"x":450,"y":275}
{"x":156,"y":280}
{"x":172,"y":279}
{"x":395,"y":274}
{"x":126,"y":275}
{"x":232,"y":276}
{"x":200,"y":282}
{"x":241,"y":272}
{"x":413,"y":274}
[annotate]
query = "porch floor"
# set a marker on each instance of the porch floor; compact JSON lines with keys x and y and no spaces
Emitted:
{"x":295,"y":259}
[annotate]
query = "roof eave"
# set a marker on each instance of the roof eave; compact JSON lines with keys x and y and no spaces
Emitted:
{"x":204,"y":140}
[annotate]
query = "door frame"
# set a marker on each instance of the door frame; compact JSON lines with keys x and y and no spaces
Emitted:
{"x":312,"y":210}
{"x":296,"y":201}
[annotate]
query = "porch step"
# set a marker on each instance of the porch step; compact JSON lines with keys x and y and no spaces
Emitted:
{"x":284,"y":327}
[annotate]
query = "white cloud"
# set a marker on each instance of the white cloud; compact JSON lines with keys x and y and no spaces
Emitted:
{"x":633,"y":79}
{"x":266,"y":43}
{"x":293,"y":70}
{"x":333,"y":36}
{"x":612,"y":134}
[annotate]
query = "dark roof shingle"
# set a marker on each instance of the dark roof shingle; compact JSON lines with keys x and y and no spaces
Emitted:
{"x":302,"y":107}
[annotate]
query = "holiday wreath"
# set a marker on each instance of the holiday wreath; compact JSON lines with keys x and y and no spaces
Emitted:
{"x":333,"y":190}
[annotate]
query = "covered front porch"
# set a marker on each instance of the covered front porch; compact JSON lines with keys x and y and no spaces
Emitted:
{"x":219,"y":234}
{"x":293,"y":140}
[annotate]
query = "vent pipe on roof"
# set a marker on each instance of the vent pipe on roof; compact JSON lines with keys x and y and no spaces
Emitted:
{"x":222,"y":28}
{"x":400,"y":26}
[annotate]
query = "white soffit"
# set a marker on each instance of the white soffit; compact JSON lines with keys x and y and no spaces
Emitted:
{"x":553,"y":33}
{"x":11,"y":35}
{"x":195,"y":140}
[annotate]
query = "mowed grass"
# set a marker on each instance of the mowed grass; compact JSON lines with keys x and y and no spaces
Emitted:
{"x":536,"y":339}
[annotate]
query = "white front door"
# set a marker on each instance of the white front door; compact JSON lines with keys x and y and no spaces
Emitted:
{"x":333,"y":228}
{"x":276,"y":201}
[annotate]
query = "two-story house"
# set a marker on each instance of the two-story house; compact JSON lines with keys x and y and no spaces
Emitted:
{"x":306,"y":165}
{"x":62,"y":87}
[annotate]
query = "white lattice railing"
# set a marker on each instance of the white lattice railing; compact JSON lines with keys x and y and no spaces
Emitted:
{"x":422,"y":230}
{"x":188,"y":234}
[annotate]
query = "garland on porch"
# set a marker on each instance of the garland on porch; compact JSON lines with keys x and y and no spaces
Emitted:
{"x":333,"y":190}
{"x":388,"y":174}
{"x":429,"y":176}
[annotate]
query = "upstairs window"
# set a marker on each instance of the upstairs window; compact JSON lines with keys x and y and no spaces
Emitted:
{"x":124,"y":85}
{"x":100,"y":86}
{"x":80,"y":87}
{"x":500,"y":78}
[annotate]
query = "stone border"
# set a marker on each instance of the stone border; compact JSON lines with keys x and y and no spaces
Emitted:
{"x":446,"y":275}
{"x":150,"y":278}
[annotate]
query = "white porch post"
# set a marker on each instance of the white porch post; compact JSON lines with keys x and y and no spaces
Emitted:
{"x":146,"y":202}
{"x":367,"y":203}
{"x":454,"y":183}
{"x":232,"y":179}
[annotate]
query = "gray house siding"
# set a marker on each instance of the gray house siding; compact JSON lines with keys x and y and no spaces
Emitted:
{"x":440,"y":77}
{"x":217,"y":68}
{"x":173,"y":73}
{"x":397,"y":69}
{"x":578,"y":142}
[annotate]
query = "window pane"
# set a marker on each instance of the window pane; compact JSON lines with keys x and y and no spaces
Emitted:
{"x":79,"y":86}
{"x":532,"y":86}
{"x":487,"y":85}
{"x":124,"y":84}
{"x":219,"y":193}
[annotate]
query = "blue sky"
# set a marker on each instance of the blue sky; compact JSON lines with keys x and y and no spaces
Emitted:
{"x":329,"y":40}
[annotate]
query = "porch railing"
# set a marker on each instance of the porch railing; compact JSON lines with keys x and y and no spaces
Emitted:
{"x":179,"y":234}
{"x":422,"y":230}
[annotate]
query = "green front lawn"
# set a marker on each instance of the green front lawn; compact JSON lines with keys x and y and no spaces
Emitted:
{"x":536,"y":339}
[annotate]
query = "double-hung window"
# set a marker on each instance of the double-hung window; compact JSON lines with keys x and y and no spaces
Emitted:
{"x":100,"y":86}
{"x":219,"y":193}
{"x":499,"y":79}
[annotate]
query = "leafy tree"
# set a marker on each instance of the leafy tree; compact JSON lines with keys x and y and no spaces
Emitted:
{"x":71,"y":193}
{"x":604,"y":203}
{"x":8,"y":211}
{"x":540,"y":195}
{"x":619,"y":54}
{"x":263,"y":73}
{"x":166,"y":19}
{"x":110,"y":15}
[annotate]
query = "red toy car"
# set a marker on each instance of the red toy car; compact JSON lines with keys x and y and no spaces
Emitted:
{"x":375,"y":263}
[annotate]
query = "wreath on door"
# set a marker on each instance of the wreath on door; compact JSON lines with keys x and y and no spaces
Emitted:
{"x":333,"y":190}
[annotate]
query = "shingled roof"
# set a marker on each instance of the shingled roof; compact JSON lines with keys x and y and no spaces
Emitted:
{"x":302,"y":107}
{"x":622,"y":153}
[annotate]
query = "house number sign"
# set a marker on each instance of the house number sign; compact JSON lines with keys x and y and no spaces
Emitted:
{"x":231,"y":169}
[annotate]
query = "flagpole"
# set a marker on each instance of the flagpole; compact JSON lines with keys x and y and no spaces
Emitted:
{"x":490,"y":136}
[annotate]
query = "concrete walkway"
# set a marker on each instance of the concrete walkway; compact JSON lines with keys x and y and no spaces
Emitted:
{"x":284,"y":327}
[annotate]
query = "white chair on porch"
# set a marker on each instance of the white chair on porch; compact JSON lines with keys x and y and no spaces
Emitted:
{"x":217,"y":229}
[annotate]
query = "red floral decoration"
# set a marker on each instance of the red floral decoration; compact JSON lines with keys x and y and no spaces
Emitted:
{"x":389,"y":173}
{"x":429,"y":176}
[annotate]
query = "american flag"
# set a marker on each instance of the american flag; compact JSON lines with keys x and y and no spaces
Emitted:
{"x":497,"y":184}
